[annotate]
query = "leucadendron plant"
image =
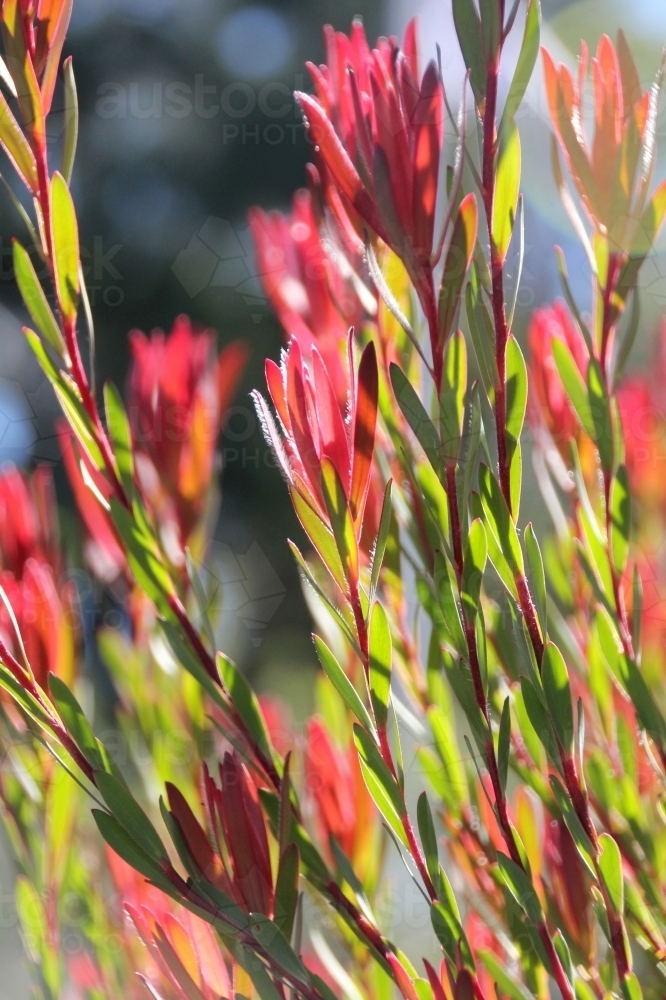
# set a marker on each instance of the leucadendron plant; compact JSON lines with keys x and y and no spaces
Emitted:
{"x":531,"y":676}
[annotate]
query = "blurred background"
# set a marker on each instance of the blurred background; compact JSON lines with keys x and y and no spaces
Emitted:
{"x":187,"y":120}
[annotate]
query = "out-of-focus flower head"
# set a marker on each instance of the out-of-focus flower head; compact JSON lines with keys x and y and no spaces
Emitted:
{"x":549,"y":407}
{"x":643,"y":414}
{"x":30,"y":570}
{"x":309,"y":283}
{"x":613,"y":173}
{"x":102,"y":549}
{"x":178,"y":392}
{"x":341,"y":802}
{"x":181,"y":956}
{"x":319,"y":439}
{"x":237,"y":829}
{"x":379,"y":134}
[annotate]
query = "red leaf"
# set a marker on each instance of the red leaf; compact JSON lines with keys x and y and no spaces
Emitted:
{"x":245,"y":834}
{"x":365,"y":424}
{"x":428,"y":124}
{"x":194,"y":836}
{"x":435,"y":982}
{"x":332,"y":430}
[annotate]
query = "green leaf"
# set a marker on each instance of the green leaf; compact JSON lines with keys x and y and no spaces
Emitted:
{"x":121,"y":436}
{"x":507,"y":186}
{"x":504,"y":743}
{"x":610,"y":866}
{"x":537,"y":577}
{"x":321,"y":537}
{"x":450,"y":933}
{"x":341,"y":521}
{"x":143,"y":556}
{"x":510,"y":987}
{"x":468,"y":29}
{"x":601,"y":414}
{"x":27,"y":701}
{"x":462,"y":685}
{"x":529,"y":52}
{"x":308,"y":578}
{"x":35,"y":300}
{"x":428,"y":837}
{"x":69,"y":399}
{"x":75,"y":722}
{"x":127,"y":848}
{"x":416,"y":416}
{"x":245,"y":703}
{"x":631,"y":988}
{"x":521,"y":888}
{"x":495,"y":553}
{"x":452,"y":397}
{"x":539,"y":720}
{"x":483,"y":339}
{"x":476,"y":554}
{"x":17,"y":147}
{"x":342,"y":684}
{"x":471,"y":441}
{"x":456,"y":265}
{"x":124,"y":807}
{"x":65,"y":235}
{"x":446,"y":593}
{"x":382,"y":539}
{"x":380,"y":657}
{"x":286,"y":890}
{"x":574,"y":385}
{"x":380,"y":782}
{"x":620,"y":512}
{"x":558,"y":695}
{"x":516,"y":394}
{"x":498,"y":521}
{"x":71,"y":132}
{"x":491,"y":29}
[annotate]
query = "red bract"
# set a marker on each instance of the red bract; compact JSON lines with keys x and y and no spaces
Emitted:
{"x":303,"y":278}
{"x":317,"y":434}
{"x":613,"y":172}
{"x":379,"y":134}
{"x":177,"y":395}
{"x":549,"y":404}
{"x":29,"y":572}
{"x":237,"y":829}
{"x":27,"y":519}
{"x":343,"y":808}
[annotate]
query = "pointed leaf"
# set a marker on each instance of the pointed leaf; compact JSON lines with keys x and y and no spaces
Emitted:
{"x":456,"y":265}
{"x":507,"y":188}
{"x":416,"y":416}
{"x":65,"y":235}
{"x":126,"y":810}
{"x":529,"y":52}
{"x":380,"y":662}
{"x":35,"y":300}
{"x":380,"y":783}
{"x":476,"y":554}
{"x":341,"y":521}
{"x":558,"y":695}
{"x":452,"y":397}
{"x":610,"y":866}
{"x":342,"y":684}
